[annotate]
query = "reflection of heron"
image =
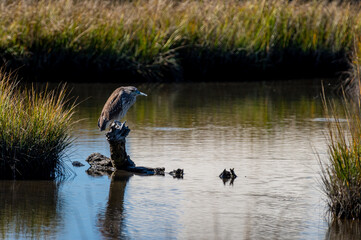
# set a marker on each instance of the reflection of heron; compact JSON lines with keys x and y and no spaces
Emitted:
{"x":117,"y":105}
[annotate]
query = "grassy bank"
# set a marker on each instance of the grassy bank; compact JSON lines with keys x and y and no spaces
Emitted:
{"x":34,"y":131}
{"x":176,"y":40}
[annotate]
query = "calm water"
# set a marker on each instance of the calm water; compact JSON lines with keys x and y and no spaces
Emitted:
{"x":268,"y":132}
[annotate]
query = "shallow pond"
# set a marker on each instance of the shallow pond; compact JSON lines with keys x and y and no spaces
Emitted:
{"x":269,"y":132}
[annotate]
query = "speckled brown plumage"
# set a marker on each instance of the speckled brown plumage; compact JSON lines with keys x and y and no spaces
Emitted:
{"x":117,"y":105}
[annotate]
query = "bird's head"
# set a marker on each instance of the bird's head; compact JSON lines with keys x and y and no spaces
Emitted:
{"x":134,"y":91}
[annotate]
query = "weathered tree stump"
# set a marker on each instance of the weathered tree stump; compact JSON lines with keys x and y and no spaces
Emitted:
{"x":119,"y":159}
{"x":116,"y":138}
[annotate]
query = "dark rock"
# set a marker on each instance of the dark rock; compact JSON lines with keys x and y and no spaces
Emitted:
{"x":100,"y":165}
{"x":228,"y":174}
{"x":177,"y":173}
{"x":99,"y":160}
{"x":77,"y":164}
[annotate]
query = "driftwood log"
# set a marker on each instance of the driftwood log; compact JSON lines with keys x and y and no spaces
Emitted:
{"x":119,"y":159}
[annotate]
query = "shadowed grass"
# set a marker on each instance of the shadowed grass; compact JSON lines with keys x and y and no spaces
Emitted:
{"x":166,"y":39}
{"x":34,"y":131}
{"x":352,"y":83}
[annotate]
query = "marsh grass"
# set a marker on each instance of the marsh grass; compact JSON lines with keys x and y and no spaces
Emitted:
{"x":341,"y":174}
{"x":34,"y":131}
{"x":165,"y":39}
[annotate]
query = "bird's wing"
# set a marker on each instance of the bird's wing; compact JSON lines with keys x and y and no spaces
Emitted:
{"x":111,"y":108}
{"x":116,"y":104}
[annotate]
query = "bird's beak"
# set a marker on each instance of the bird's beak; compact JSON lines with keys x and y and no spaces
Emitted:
{"x":140,"y":93}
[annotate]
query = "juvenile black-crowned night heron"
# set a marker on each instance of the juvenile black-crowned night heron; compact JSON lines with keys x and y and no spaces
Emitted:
{"x":117,"y":105}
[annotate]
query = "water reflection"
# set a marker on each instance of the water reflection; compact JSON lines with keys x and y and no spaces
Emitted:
{"x":177,"y":107}
{"x":228,"y":181}
{"x":29,"y":209}
{"x":110,"y":220}
{"x":344,"y":230}
{"x":268,"y":132}
{"x":263,"y":130}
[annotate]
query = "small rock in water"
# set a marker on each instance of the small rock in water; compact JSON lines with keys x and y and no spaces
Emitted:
{"x":77,"y":164}
{"x":228,"y":174}
{"x":177,"y":173}
{"x":100,"y":165}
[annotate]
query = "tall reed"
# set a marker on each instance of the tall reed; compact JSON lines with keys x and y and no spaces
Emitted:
{"x":34,"y":131}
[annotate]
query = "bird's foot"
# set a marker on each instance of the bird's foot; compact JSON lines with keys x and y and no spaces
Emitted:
{"x":118,"y":124}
